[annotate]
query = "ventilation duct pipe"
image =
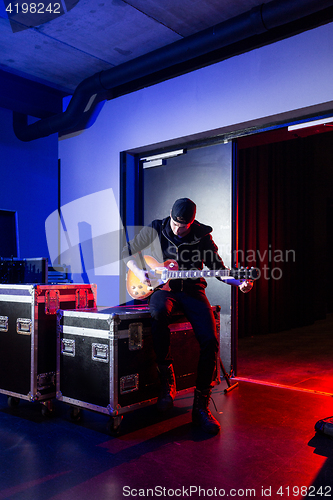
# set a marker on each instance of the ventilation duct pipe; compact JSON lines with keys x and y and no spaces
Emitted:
{"x":254,"y":22}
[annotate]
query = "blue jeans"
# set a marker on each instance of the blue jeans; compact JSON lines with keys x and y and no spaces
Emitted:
{"x":197,"y":309}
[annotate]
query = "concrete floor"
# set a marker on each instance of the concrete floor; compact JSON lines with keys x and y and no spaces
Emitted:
{"x":267,"y":447}
{"x":299,"y":358}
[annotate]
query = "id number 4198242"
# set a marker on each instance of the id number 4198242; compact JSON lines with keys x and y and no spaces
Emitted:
{"x":305,"y":491}
{"x":34,"y":8}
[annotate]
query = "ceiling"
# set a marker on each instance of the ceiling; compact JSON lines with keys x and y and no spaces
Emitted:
{"x":97,"y":50}
{"x":94,"y":35}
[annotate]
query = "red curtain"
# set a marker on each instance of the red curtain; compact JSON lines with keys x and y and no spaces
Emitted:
{"x":282,"y":229}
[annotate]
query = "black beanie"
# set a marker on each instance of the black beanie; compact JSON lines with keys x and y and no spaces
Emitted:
{"x":183,"y":211}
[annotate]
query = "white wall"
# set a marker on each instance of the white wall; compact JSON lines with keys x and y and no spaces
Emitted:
{"x":288,"y":75}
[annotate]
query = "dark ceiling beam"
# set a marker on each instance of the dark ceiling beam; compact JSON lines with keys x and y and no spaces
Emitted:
{"x":25,"y":96}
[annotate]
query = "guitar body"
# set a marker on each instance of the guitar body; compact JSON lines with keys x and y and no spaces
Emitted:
{"x":140,"y":291}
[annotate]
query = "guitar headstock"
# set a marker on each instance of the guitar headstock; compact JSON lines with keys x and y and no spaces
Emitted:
{"x":245,"y":273}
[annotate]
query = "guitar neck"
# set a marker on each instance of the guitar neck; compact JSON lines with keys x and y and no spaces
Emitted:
{"x":198,"y":274}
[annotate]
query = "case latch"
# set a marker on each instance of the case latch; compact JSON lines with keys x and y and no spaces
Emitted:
{"x":23,"y":326}
{"x":81,"y":299}
{"x":135,"y":336}
{"x":3,"y":323}
{"x":52,"y":301}
{"x":100,"y":352}
{"x":68,"y":347}
{"x":45,"y":381}
{"x":129,"y":383}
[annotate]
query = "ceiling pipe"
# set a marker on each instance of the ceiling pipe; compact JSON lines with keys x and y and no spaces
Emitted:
{"x":254,"y":22}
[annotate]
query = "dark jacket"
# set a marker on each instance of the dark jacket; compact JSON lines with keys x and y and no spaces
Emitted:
{"x":193,"y":252}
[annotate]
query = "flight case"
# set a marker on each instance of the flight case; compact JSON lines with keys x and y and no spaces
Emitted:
{"x":28,"y":333}
{"x":106,"y":361}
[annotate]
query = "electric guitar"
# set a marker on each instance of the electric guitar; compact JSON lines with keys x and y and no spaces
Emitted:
{"x":161,"y":274}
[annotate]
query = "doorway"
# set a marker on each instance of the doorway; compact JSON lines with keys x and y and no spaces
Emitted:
{"x":203,"y":175}
{"x":285,"y":185}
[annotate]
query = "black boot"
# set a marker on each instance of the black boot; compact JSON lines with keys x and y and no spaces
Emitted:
{"x":168,"y":388}
{"x":201,"y":415}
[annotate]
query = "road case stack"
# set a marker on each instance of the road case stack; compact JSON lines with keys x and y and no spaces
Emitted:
{"x":28,"y":336}
{"x":106,"y":361}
